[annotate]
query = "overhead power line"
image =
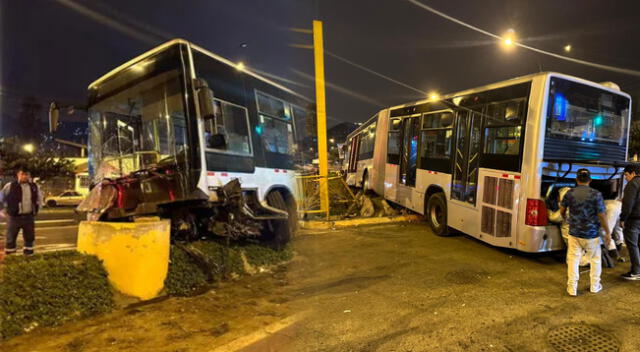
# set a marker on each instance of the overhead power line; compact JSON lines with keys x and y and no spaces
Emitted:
{"x":524,"y":46}
{"x":335,"y":56}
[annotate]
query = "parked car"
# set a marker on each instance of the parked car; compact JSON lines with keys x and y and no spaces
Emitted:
{"x":66,"y":198}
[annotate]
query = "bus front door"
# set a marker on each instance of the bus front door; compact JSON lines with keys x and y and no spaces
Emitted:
{"x":465,"y":172}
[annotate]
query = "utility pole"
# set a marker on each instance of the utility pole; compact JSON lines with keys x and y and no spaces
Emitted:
{"x":321,"y":116}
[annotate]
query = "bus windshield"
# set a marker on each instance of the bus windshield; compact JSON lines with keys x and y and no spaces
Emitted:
{"x":585,"y":113}
{"x":139,"y":127}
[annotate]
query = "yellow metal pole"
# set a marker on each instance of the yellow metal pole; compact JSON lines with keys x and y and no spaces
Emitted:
{"x":321,"y":115}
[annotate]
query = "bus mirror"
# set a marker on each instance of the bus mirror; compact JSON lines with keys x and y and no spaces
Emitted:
{"x":205,"y":99}
{"x":446,"y":119}
{"x":54,"y":114}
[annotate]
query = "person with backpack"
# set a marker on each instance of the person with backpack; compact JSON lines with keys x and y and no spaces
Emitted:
{"x":630,"y":219}
{"x":587,"y":215}
{"x":21,"y":200}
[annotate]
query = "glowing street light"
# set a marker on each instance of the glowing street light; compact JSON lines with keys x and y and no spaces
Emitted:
{"x":240,"y":66}
{"x":509,"y":39}
{"x":434,"y":96}
{"x":567,"y":48}
{"x":332,"y":140}
{"x":29,"y":148}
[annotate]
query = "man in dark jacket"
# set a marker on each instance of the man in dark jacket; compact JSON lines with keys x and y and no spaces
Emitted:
{"x":630,"y":219}
{"x":21,"y":200}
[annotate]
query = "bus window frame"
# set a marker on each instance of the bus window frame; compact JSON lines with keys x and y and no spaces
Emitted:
{"x":291,"y":121}
{"x":397,"y":132}
{"x":363,"y":134}
{"x":505,"y":162}
{"x":223,"y":151}
{"x":440,"y":164}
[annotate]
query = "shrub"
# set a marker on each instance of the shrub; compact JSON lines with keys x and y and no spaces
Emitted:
{"x":49,"y":289}
{"x":185,"y":276}
{"x":195,"y":266}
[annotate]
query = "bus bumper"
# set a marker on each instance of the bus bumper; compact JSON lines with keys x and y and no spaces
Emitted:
{"x":537,"y":239}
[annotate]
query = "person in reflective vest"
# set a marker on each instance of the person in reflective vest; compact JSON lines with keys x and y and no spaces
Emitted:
{"x":21,"y":200}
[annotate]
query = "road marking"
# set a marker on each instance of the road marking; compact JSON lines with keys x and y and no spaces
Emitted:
{"x":55,"y":247}
{"x":248,"y":340}
{"x":55,"y":228}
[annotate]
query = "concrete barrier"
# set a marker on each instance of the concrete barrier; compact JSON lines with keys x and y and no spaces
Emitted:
{"x":135,"y":255}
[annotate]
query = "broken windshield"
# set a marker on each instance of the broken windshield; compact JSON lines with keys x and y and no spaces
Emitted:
{"x":138,"y":128}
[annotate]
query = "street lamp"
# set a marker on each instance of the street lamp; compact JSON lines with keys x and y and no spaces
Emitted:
{"x":29,"y":148}
{"x":567,"y":48}
{"x":434,"y":96}
{"x":332,"y":140}
{"x":509,"y":39}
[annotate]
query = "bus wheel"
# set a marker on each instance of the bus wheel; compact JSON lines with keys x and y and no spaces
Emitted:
{"x":282,"y":230}
{"x":436,"y":214}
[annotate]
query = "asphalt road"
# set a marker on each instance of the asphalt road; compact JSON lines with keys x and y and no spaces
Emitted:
{"x":56,"y":229}
{"x":393,"y":287}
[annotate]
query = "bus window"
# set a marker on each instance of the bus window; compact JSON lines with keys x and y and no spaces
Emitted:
{"x":367,"y":142}
{"x":275,"y":127}
{"x":502,"y":140}
{"x":435,"y":141}
{"x":393,"y":143}
{"x":228,"y":130}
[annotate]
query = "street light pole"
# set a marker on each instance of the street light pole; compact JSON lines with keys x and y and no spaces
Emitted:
{"x":321,"y":116}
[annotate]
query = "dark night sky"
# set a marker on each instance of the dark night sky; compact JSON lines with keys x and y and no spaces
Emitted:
{"x":50,"y":50}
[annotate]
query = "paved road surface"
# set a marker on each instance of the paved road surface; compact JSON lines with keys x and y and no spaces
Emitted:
{"x":55,"y":230}
{"x":376,"y":288}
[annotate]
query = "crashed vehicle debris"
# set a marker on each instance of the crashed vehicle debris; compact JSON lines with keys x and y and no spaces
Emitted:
{"x":187,"y":135}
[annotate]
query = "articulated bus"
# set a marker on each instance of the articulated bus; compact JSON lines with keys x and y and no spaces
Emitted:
{"x":188,"y":135}
{"x":489,"y":161}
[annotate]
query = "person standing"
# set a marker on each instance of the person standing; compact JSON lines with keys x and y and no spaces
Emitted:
{"x":21,"y":200}
{"x":587,"y":215}
{"x":630,"y":219}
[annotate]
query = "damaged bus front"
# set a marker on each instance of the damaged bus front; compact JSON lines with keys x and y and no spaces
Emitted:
{"x":182,"y":133}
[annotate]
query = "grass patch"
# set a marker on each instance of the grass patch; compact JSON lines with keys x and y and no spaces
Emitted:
{"x":263,"y":256}
{"x":196,"y":266}
{"x":49,"y":289}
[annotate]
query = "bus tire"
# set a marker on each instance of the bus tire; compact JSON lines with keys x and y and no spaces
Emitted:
{"x":436,"y":214}
{"x":282,"y":230}
{"x":52,"y":203}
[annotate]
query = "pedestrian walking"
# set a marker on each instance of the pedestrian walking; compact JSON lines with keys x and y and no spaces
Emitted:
{"x":630,"y":219}
{"x":586,"y":216}
{"x":21,"y":201}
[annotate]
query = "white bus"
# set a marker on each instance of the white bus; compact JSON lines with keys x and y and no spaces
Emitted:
{"x":359,"y":157}
{"x":174,"y":128}
{"x":489,"y":161}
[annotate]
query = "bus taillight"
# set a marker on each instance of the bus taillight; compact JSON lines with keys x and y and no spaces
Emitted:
{"x":536,"y":213}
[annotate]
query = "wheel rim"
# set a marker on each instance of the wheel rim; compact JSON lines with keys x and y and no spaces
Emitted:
{"x":437,"y":215}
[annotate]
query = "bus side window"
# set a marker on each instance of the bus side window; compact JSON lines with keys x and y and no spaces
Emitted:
{"x":228,"y":130}
{"x":393,"y":143}
{"x":436,"y":141}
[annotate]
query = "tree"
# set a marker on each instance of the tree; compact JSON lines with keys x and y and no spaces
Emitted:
{"x":42,"y":163}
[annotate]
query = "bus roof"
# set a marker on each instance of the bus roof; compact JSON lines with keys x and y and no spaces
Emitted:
{"x":516,"y":81}
{"x":192,"y":46}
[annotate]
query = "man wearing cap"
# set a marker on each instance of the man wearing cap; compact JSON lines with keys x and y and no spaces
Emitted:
{"x":630,"y":219}
{"x":22,"y":200}
{"x":586,"y":216}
